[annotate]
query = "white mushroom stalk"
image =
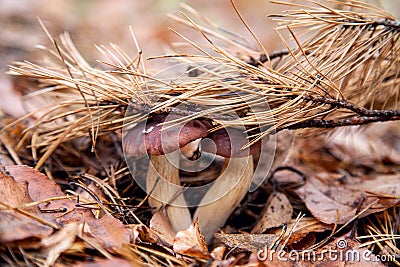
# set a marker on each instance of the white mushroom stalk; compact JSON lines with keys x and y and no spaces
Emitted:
{"x":162,"y":176}
{"x":211,"y":213}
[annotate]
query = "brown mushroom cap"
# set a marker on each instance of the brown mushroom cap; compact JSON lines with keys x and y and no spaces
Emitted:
{"x":149,"y":138}
{"x":229,"y":142}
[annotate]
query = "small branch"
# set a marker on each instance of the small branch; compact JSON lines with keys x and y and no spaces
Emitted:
{"x":143,"y":108}
{"x":338,"y":103}
{"x":317,"y":123}
{"x":390,"y":25}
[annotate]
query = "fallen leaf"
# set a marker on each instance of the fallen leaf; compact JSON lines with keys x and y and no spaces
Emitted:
{"x":303,"y":227}
{"x":191,"y":242}
{"x":250,"y":242}
{"x":366,"y":147}
{"x":286,"y":176}
{"x":92,"y":197}
{"x":109,"y":231}
{"x":15,"y":226}
{"x":332,"y":202}
{"x":218,"y":252}
{"x":142,"y":233}
{"x":13,"y":194}
{"x":59,"y":242}
{"x":224,"y":263}
{"x":161,"y":225}
{"x":305,"y":242}
{"x":384,"y":187}
{"x":40,"y":187}
{"x":277,"y":211}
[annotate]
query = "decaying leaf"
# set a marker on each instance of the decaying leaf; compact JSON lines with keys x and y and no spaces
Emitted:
{"x":161,"y":225}
{"x":330,"y":204}
{"x":40,"y":188}
{"x":142,"y":233}
{"x":59,"y":242}
{"x":109,"y":231}
{"x":368,"y":147}
{"x":14,"y":225}
{"x":277,"y":211}
{"x":191,"y":242}
{"x":250,"y":242}
{"x":219,"y":260}
{"x":302,"y":228}
{"x":384,"y":187}
{"x":338,"y":203}
{"x":218,"y":252}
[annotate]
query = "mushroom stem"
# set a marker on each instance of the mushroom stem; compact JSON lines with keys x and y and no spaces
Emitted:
{"x":212,"y":214}
{"x":161,"y":180}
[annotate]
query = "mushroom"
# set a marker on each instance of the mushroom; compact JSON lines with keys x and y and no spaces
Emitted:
{"x":164,"y":144}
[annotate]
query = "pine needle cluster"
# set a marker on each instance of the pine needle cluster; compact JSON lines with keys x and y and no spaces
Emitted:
{"x":338,"y":67}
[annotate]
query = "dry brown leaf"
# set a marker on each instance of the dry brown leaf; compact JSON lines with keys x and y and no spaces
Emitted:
{"x":304,"y":243}
{"x":141,"y":232}
{"x":191,"y":242}
{"x":303,"y":227}
{"x":287,"y":177}
{"x":250,"y":242}
{"x":109,"y":231}
{"x":59,"y":242}
{"x":161,"y":225}
{"x":367,"y":147}
{"x":386,"y":188}
{"x":15,"y":226}
{"x":13,"y":194}
{"x":40,"y":187}
{"x":90,"y":197}
{"x":277,"y":211}
{"x":332,"y":202}
{"x":218,"y":255}
{"x":230,"y":262}
{"x":218,"y":252}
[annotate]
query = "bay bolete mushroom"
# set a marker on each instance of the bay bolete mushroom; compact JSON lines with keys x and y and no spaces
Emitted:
{"x":163,"y":143}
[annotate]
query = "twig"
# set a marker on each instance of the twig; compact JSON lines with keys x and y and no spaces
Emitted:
{"x":317,"y":123}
